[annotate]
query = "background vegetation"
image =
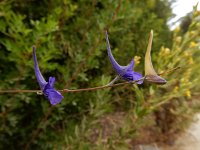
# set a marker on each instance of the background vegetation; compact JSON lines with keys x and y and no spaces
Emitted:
{"x":69,"y":36}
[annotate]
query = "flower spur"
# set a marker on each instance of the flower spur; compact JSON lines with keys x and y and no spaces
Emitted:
{"x":123,"y":72}
{"x":47,"y":88}
{"x":150,"y":73}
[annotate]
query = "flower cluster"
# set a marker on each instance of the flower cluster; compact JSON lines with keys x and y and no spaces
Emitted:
{"x":122,"y":72}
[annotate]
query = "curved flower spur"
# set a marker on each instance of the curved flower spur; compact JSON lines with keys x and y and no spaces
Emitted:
{"x":150,"y":73}
{"x":47,"y":87}
{"x":123,"y":72}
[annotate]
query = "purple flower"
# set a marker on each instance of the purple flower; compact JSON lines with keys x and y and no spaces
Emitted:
{"x":124,"y":72}
{"x":47,"y":87}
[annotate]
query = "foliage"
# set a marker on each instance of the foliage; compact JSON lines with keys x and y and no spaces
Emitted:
{"x":69,"y":36}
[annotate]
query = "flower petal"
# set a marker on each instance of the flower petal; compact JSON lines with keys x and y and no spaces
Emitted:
{"x":51,"y":81}
{"x":132,"y":76}
{"x":137,"y":76}
{"x":51,"y":93}
{"x":131,"y":65}
{"x":54,"y":96}
{"x":38,"y":74}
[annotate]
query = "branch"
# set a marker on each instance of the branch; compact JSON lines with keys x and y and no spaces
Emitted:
{"x":85,"y":89}
{"x":168,"y":71}
{"x":68,"y":90}
{"x":100,"y":87}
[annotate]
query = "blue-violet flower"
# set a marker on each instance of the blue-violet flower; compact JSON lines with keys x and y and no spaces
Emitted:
{"x":124,"y":72}
{"x":47,"y":88}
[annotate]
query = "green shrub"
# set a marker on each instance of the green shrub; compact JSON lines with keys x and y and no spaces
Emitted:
{"x":69,"y":36}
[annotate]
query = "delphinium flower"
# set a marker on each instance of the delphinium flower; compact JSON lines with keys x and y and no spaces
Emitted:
{"x":47,"y":88}
{"x":123,"y":72}
{"x":150,"y":73}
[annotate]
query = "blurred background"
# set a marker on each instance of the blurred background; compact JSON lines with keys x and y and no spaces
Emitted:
{"x":70,"y":41}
